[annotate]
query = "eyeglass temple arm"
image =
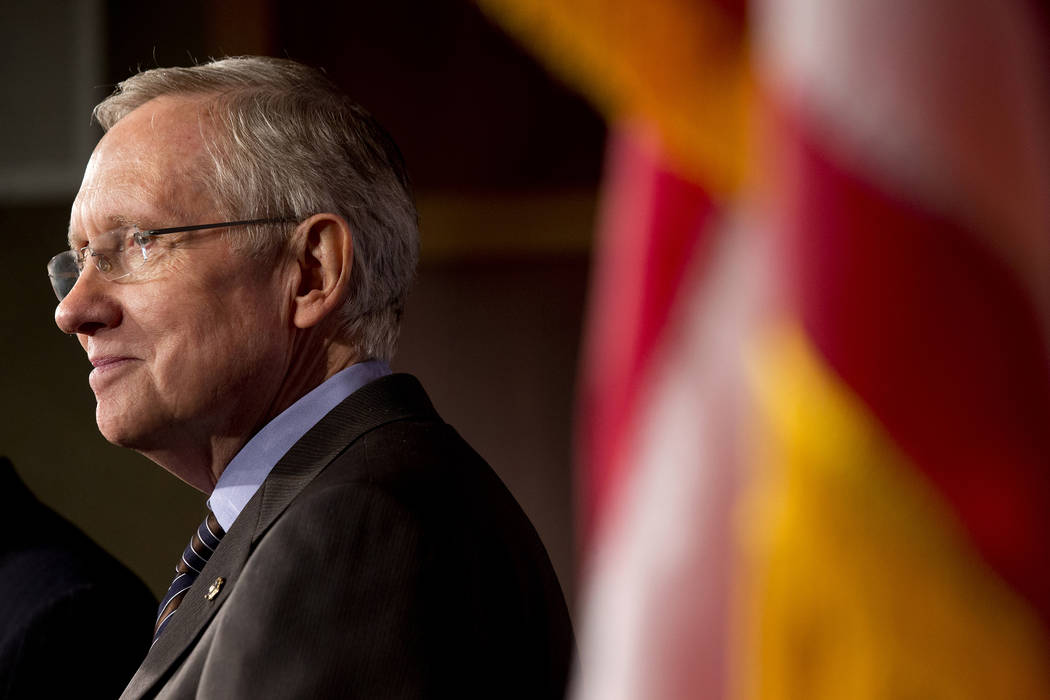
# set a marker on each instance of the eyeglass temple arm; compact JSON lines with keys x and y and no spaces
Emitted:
{"x":224,"y":224}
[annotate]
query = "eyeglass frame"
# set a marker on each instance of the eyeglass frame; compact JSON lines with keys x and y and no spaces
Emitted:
{"x":150,"y":233}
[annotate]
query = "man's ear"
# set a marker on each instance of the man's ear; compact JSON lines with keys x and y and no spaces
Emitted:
{"x":325,"y":254}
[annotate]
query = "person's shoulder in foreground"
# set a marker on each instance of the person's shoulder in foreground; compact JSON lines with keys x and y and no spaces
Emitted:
{"x":74,"y":622}
{"x":241,"y":250}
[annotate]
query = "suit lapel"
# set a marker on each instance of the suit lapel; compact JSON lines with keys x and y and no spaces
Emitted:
{"x":392,"y":398}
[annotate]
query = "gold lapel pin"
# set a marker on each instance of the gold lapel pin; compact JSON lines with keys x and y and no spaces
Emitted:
{"x":214,"y":588}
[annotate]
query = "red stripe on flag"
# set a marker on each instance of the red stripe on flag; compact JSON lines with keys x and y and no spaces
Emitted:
{"x":651,"y":223}
{"x":937,"y":337}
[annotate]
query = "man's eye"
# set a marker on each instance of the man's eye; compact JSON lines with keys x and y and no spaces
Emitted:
{"x":140,"y":240}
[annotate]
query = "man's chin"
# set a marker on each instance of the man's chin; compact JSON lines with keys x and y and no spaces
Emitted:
{"x":119,"y":431}
{"x":122,"y":439}
{"x":154,"y":442}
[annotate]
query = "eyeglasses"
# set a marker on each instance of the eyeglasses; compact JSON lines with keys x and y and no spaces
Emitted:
{"x":121,"y":253}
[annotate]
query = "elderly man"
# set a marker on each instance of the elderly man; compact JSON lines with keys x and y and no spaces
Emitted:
{"x":240,"y":252}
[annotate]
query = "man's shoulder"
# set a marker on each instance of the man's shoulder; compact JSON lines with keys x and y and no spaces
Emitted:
{"x":403,"y":556}
{"x":408,"y":463}
{"x":421,"y":463}
{"x":392,"y":437}
{"x":419,"y":471}
{"x":389,"y":399}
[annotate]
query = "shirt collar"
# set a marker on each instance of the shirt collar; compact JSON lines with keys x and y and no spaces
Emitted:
{"x":249,"y":467}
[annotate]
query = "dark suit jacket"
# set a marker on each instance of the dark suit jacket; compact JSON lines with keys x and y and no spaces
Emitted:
{"x":381,"y":558}
{"x":73,"y":621}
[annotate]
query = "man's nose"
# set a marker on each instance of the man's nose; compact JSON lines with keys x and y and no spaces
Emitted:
{"x":89,"y":307}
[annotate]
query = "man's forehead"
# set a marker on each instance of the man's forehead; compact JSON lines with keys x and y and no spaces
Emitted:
{"x":163,"y":129}
{"x":146,"y":171}
{"x":136,"y":198}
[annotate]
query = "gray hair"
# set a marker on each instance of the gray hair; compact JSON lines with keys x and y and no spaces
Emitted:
{"x":286,"y":142}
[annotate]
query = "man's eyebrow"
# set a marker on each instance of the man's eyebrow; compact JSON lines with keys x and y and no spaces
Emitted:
{"x":114,"y":223}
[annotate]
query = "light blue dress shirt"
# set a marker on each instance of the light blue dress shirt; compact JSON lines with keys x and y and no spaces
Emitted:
{"x":249,"y":467}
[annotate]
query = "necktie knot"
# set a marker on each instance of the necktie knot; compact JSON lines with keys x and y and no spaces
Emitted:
{"x":196,"y":555}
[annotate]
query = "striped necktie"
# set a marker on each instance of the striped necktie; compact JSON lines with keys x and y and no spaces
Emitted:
{"x":197,"y":553}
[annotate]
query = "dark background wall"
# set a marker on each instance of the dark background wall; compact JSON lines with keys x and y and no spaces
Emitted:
{"x":506,"y":164}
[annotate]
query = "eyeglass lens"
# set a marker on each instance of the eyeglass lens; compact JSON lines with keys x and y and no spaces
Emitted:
{"x":115,"y":255}
{"x":64,"y":272}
